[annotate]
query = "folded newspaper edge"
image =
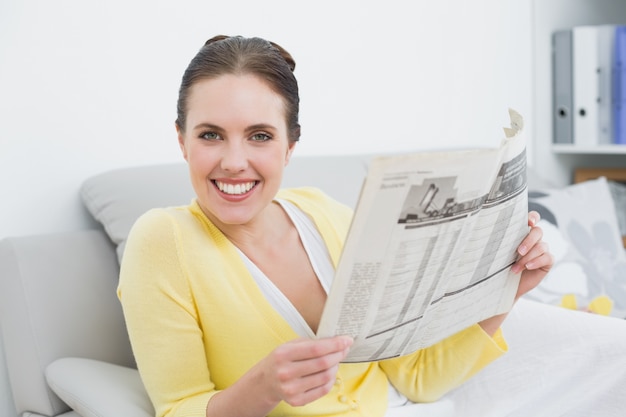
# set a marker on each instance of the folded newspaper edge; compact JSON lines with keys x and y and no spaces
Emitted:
{"x":430,"y":247}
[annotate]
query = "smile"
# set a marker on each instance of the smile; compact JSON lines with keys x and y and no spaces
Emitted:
{"x":235,"y":189}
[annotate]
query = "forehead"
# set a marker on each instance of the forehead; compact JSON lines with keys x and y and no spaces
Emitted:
{"x":228,"y":98}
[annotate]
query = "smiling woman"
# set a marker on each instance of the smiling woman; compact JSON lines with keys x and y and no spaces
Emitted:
{"x":222,"y":298}
{"x":235,"y":140}
{"x":234,"y":112}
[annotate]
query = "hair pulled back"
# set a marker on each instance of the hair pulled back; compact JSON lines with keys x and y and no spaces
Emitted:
{"x":237,"y":55}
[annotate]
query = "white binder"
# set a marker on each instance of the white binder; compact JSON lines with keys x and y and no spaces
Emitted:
{"x":585,"y":84}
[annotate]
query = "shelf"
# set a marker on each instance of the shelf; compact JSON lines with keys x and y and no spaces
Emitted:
{"x":597,"y":150}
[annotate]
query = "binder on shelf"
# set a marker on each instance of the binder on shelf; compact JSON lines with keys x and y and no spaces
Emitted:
{"x":619,"y":86}
{"x":585,"y":84}
{"x":589,"y":85}
{"x":606,"y":48}
{"x":562,"y":86}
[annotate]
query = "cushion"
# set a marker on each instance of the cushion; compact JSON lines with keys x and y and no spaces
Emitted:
{"x":117,"y":198}
{"x":581,"y":228}
{"x":99,"y":389}
{"x":618,"y":192}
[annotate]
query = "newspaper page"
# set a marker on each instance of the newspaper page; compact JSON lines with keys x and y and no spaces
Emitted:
{"x":430,"y":248}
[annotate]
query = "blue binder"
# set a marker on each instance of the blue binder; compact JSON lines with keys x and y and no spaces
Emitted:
{"x":619,"y":86}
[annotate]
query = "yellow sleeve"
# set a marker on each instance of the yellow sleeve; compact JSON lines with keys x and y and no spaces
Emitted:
{"x":428,"y":374}
{"x":162,"y":319}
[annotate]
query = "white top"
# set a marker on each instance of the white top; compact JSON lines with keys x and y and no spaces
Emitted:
{"x":320,"y":260}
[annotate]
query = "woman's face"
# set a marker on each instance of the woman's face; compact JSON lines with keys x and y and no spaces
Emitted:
{"x":236,"y":145}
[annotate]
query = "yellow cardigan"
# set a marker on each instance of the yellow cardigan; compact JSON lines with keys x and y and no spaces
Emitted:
{"x":197,"y":320}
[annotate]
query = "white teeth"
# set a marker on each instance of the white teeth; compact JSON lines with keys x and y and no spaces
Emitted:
{"x":235,"y":189}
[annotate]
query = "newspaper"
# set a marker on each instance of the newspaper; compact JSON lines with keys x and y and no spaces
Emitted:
{"x":430,"y":248}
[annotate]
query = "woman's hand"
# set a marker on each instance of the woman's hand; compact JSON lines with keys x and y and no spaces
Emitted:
{"x":297,"y":372}
{"x":304,"y":370}
{"x":534,"y":262}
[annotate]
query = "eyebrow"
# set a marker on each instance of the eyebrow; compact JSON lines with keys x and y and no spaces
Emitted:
{"x":251,"y":128}
{"x":202,"y":126}
{"x":260,"y":126}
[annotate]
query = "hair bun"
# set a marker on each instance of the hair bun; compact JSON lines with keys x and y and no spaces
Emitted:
{"x":286,"y":55}
{"x":216,"y":38}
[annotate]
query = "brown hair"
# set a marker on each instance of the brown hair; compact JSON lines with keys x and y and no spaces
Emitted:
{"x":237,"y":55}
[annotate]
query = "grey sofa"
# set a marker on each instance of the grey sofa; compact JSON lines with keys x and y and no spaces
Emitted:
{"x":66,"y":348}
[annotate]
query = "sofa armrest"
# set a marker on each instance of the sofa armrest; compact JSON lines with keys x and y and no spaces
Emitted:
{"x":57,"y":299}
{"x":99,"y":389}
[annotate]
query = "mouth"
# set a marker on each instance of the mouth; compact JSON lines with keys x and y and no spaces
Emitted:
{"x":235,"y":189}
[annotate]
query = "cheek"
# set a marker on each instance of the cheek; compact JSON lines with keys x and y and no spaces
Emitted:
{"x":200,"y":158}
{"x":276,"y":161}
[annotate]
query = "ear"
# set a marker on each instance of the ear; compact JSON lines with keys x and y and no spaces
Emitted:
{"x":181,"y":141}
{"x":290,"y":148}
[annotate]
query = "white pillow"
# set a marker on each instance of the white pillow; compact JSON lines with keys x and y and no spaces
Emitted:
{"x":581,"y":228}
{"x":618,"y":192}
{"x":99,"y":389}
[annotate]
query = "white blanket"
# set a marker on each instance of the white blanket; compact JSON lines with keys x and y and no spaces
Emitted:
{"x":560,"y":363}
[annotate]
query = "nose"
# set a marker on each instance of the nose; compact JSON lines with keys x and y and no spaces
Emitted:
{"x":234,"y":157}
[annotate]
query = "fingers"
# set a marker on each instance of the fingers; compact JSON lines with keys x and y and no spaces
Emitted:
{"x":304,"y":389}
{"x":533,"y":252}
{"x":533,"y":218}
{"x":534,"y":272}
{"x":307,"y":357}
{"x":305,"y":370}
{"x":530,"y":248}
{"x":541,"y":259}
{"x":535,"y":259}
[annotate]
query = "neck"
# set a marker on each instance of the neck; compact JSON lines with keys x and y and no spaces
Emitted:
{"x":266,"y":229}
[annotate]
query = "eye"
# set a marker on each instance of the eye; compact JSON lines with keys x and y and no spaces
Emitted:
{"x":209,"y":136}
{"x":261,"y":137}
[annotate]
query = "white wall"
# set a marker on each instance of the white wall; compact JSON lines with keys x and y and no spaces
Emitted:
{"x":88,"y":86}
